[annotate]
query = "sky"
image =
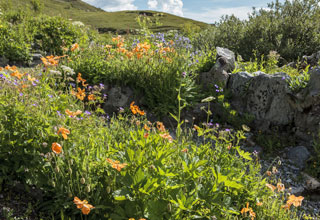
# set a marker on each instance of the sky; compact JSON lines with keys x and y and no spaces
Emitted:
{"x":208,"y":11}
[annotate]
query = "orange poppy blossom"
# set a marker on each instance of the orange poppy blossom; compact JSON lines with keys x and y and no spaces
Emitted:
{"x":63,"y":132}
{"x":280,"y":187}
{"x":146,"y":127}
{"x":270,"y":186}
{"x":252,"y":214}
{"x":161,"y":127}
{"x":135,"y":109}
{"x":73,"y":114}
{"x":166,"y":136}
{"x":83,"y":205}
{"x":56,"y":148}
{"x":74,"y":47}
{"x":116,"y":164}
{"x":91,"y":97}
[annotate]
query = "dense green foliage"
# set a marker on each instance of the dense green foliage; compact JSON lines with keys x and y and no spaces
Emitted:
{"x":156,"y":176}
{"x":290,"y":28}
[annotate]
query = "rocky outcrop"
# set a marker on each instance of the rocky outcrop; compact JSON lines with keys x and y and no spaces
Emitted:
{"x":219,"y":73}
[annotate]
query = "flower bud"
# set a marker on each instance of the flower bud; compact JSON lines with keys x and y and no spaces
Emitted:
{"x":82,"y":180}
{"x":169,"y":207}
{"x":57,"y":169}
{"x":70,"y":170}
{"x":88,"y":189}
{"x":108,"y":189}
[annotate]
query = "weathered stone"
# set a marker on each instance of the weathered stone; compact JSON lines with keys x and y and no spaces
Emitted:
{"x":117,"y":97}
{"x":3,"y":61}
{"x":226,"y":59}
{"x":310,"y":182}
{"x":36,"y":59}
{"x":298,"y":155}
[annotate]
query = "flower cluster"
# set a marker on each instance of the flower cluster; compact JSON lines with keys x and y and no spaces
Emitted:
{"x":116,"y":164}
{"x":136,"y":110}
{"x":244,"y":211}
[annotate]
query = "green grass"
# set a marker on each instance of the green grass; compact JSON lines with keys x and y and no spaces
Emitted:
{"x":97,"y":18}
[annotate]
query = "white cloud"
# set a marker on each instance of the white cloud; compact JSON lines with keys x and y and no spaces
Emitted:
{"x":152,"y":4}
{"x":113,"y":5}
{"x":170,"y":6}
{"x":213,"y":15}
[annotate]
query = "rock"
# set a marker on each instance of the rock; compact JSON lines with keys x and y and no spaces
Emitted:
{"x":218,"y":74}
{"x":226,"y":59}
{"x":310,"y":182}
{"x":297,"y":191}
{"x":117,"y":97}
{"x":3,"y":61}
{"x":298,"y":155}
{"x":36,"y":59}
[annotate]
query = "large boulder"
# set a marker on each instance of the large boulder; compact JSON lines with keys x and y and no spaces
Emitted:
{"x":307,"y":117}
{"x":262,"y":95}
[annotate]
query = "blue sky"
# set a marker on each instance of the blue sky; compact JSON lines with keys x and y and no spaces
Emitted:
{"x":203,"y":10}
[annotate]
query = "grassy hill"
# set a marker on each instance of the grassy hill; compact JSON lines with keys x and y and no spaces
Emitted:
{"x":104,"y":21}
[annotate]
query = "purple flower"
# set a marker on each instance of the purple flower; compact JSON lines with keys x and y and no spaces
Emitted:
{"x":50,"y":96}
{"x":89,"y":87}
{"x":72,"y":84}
{"x":87,"y":112}
{"x":283,"y":78}
{"x":59,"y":113}
{"x":34,"y":104}
{"x":197,"y":61}
{"x":184,"y":74}
{"x":227,"y":130}
{"x":34,"y":84}
{"x":217,"y":90}
{"x":101,"y":85}
{"x":221,"y":90}
{"x":105,"y":95}
{"x":21,"y":94}
{"x":215,"y":85}
{"x":2,"y":76}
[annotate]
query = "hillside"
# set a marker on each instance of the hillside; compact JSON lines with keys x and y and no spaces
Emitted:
{"x":103,"y":21}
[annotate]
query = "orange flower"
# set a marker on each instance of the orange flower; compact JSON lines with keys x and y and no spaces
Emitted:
{"x":108,"y":46}
{"x":139,"y":55}
{"x":80,"y":94}
{"x":146,"y":135}
{"x":269,"y":173}
{"x":296,"y":201}
{"x":91,"y":97}
{"x":146,"y":127}
{"x":135,"y":109}
{"x":12,"y":68}
{"x":280,"y":187}
{"x":252,"y":214}
{"x":167,"y":136}
{"x":196,"y":127}
{"x":63,"y":132}
{"x":1,"y":69}
{"x":161,"y":127}
{"x":73,"y":114}
{"x":229,"y":146}
{"x":17,"y":74}
{"x":83,"y":205}
{"x":31,"y":79}
{"x":259,"y":203}
{"x":56,"y":148}
{"x":74,"y":47}
{"x":116,"y":164}
{"x":184,"y":150}
{"x":272,"y":187}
